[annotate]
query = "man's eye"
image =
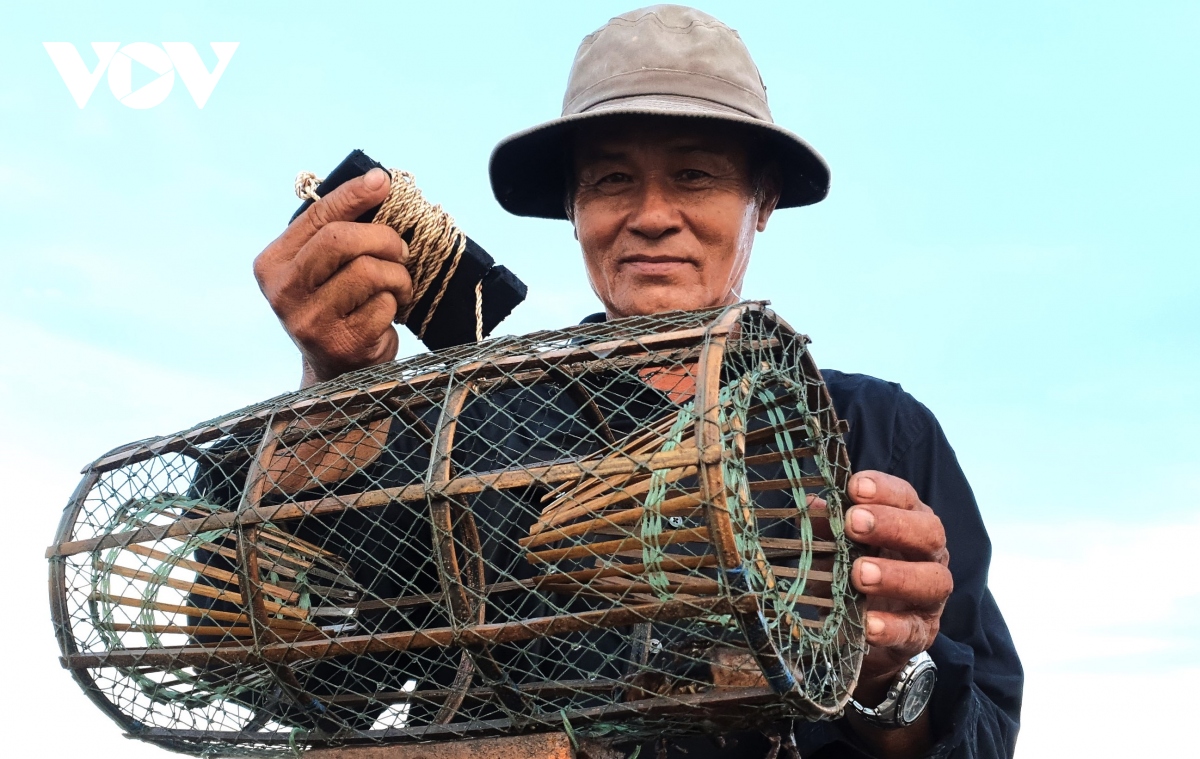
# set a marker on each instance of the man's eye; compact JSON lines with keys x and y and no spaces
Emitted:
{"x":693,"y":175}
{"x":610,"y":184}
{"x":613,"y":179}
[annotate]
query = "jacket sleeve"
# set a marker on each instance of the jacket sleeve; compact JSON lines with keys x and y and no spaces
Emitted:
{"x":977,"y":702}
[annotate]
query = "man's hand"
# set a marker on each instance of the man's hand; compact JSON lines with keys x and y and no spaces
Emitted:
{"x":906,"y":587}
{"x":335,"y":284}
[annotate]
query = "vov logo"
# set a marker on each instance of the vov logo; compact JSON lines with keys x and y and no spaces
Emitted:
{"x":118,"y":61}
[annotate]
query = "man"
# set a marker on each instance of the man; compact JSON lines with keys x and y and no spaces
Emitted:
{"x":667,"y":164}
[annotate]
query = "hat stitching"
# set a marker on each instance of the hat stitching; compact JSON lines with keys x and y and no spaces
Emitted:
{"x":597,"y":83}
{"x":672,"y":94}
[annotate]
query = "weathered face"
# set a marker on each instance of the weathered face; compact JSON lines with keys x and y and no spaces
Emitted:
{"x":665,"y":211}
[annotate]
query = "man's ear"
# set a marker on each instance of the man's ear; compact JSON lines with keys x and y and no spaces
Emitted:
{"x":769,"y":195}
{"x":571,"y":218}
{"x":569,"y":207}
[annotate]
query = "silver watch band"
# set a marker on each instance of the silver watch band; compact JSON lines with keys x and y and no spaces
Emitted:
{"x":907,"y":697}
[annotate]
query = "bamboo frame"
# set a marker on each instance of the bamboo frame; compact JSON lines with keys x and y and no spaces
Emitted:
{"x":591,"y":509}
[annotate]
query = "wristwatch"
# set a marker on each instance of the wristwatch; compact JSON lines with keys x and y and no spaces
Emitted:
{"x":907,"y":698}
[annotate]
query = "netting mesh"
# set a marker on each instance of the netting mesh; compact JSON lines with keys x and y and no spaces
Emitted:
{"x":626,"y":530}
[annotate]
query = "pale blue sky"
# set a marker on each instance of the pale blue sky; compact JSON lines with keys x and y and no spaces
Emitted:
{"x":1012,"y":234}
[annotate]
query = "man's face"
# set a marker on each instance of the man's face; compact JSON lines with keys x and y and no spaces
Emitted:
{"x":665,"y":211}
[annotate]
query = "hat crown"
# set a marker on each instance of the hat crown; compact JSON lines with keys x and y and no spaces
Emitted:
{"x":669,"y":51}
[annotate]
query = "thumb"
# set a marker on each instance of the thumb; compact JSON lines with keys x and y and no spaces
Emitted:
{"x":346,"y":203}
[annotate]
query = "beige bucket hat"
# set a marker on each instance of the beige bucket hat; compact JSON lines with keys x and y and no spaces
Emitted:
{"x":664,"y":60}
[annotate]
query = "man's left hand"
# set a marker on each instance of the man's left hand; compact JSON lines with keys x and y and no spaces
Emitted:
{"x":906,"y":584}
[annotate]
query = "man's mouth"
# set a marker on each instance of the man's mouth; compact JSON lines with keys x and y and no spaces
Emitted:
{"x":652,"y":265}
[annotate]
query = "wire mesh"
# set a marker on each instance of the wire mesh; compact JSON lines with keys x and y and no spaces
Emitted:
{"x":624,"y":530}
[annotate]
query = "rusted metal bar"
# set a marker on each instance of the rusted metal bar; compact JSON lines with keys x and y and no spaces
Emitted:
{"x":475,"y":635}
{"x":534,"y":746}
{"x":464,"y":484}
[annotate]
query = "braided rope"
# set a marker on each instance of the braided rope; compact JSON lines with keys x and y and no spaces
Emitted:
{"x":306,"y":186}
{"x":434,"y":237}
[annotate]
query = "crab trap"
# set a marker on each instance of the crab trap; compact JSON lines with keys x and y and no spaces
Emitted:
{"x":623,"y":530}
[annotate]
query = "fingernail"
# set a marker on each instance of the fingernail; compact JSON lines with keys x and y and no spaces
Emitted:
{"x":874,"y":625}
{"x":869,"y":573}
{"x":861,"y":520}
{"x":375,"y":179}
{"x":864,"y":487}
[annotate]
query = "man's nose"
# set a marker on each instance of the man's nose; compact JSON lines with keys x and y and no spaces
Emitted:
{"x":655,"y":213}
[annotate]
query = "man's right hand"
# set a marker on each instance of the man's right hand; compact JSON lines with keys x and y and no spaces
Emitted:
{"x":336,"y":284}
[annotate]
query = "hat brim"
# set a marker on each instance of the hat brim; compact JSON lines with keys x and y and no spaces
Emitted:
{"x":528,"y":169}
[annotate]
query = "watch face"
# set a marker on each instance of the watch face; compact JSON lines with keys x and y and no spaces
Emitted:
{"x":917,"y":695}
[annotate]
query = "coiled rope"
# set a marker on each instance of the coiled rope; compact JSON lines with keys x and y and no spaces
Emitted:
{"x":433,"y":237}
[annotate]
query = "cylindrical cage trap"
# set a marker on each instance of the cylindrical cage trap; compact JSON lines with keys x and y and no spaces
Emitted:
{"x":624,"y":530}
